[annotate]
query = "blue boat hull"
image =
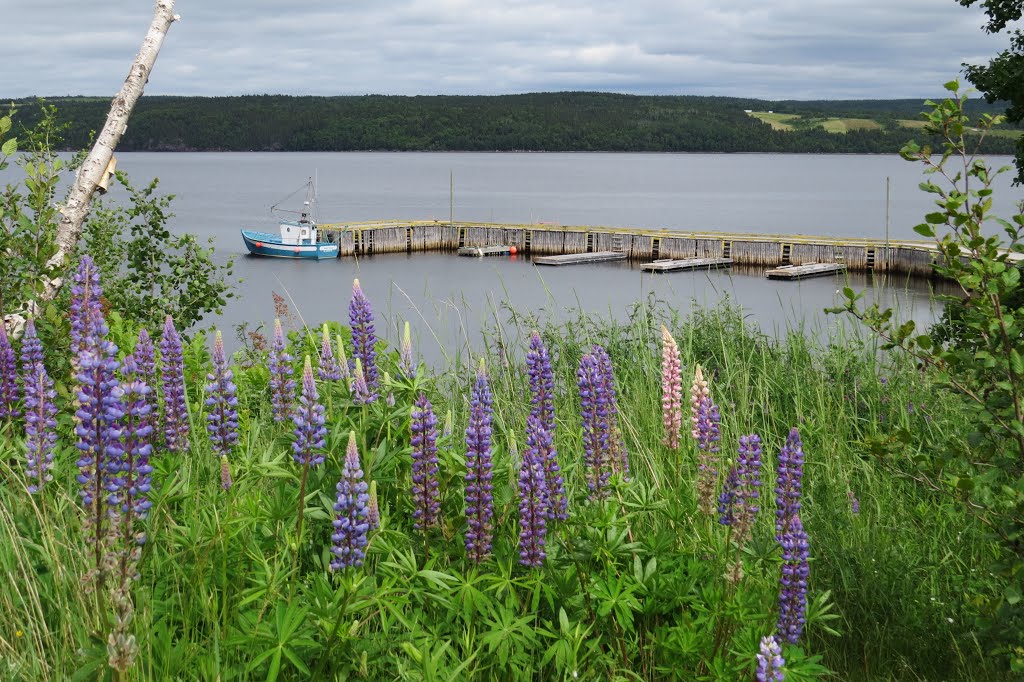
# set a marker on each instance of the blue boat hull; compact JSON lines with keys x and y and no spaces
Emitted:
{"x":266,"y":244}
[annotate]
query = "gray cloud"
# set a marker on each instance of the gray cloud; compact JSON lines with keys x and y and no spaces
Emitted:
{"x":782,"y":49}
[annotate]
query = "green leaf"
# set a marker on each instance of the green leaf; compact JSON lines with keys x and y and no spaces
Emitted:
{"x":10,"y":147}
{"x":925,"y":230}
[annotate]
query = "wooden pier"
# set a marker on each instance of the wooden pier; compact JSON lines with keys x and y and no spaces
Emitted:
{"x":481,"y":251}
{"x":671,"y":265}
{"x":804,"y":271}
{"x":634,"y":244}
{"x":580,"y":258}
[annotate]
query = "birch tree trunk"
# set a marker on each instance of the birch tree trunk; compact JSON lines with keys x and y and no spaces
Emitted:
{"x":76,"y":206}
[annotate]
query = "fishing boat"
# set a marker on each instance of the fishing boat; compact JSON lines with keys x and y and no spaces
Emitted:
{"x":297,"y":238}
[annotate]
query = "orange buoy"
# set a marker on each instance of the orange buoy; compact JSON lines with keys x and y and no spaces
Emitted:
{"x":296,"y":249}
{"x":512,"y":250}
{"x":259,"y":245}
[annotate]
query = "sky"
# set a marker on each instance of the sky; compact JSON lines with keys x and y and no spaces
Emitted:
{"x":766,"y":49}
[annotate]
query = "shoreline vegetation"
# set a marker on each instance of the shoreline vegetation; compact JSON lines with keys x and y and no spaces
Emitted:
{"x":556,"y":122}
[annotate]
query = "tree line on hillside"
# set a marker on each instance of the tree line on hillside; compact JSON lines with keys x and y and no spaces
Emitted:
{"x":563,"y":121}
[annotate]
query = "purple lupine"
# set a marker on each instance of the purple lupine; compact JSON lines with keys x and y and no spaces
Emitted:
{"x":539,"y":439}
{"x":364,"y":338}
{"x":426,"y":495}
{"x":533,"y":500}
{"x":98,"y":436}
{"x":172,"y":374}
{"x":31,"y":349}
{"x":9,"y":393}
{"x":327,"y":369}
{"x":479,"y":490}
{"x":748,"y":468}
{"x":40,"y":427}
{"x":671,"y":390}
{"x":727,"y":498}
{"x":282,"y":386}
{"x":618,"y":457}
{"x":85,"y":303}
{"x":596,"y":426}
{"x":351,"y":523}
{"x":542,"y":383}
{"x":144,"y":355}
{"x":793,"y":580}
{"x":360,"y":390}
{"x":132,"y":477}
{"x":222,"y":404}
{"x":309,"y":423}
{"x":406,"y":363}
{"x":854,"y":502}
{"x":708,"y":435}
{"x":373,"y":508}
{"x":788,"y":482}
{"x":770,"y":661}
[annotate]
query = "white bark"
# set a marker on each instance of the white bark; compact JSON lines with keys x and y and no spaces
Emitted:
{"x":76,"y":206}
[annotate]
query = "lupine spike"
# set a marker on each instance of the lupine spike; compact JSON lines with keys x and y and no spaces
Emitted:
{"x":596,"y":427}
{"x":618,"y":457}
{"x":222,"y":403}
{"x":406,"y":364}
{"x":769,"y":661}
{"x":133,"y":479}
{"x":360,"y":391}
{"x":533,"y":499}
{"x":343,"y":366}
{"x":727,"y":499}
{"x":699,"y":393}
{"x":9,"y":393}
{"x":172,"y":374}
{"x":748,"y":467}
{"x":144,"y":356}
{"x":31,"y":349}
{"x":671,"y":390}
{"x":542,"y":382}
{"x":539,"y":439}
{"x":351,"y":523}
{"x":328,"y":369}
{"x":85,"y":303}
{"x":707,"y":432}
{"x":364,"y":339}
{"x":793,"y":580}
{"x":282,"y":386}
{"x":40,"y":427}
{"x":426,"y":494}
{"x":373,"y":508}
{"x":479,"y":490}
{"x":788,"y":482}
{"x":309,"y":419}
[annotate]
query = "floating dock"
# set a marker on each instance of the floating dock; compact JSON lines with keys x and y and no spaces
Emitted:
{"x":579,"y":258}
{"x":480,"y":251}
{"x":672,"y":265}
{"x":635,"y":244}
{"x":804,"y":271}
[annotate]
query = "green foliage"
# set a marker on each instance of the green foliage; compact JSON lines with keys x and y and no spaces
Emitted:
{"x":976,"y":352}
{"x":149,"y":272}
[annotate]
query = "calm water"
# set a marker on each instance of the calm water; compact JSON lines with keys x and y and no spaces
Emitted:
{"x":448,"y":299}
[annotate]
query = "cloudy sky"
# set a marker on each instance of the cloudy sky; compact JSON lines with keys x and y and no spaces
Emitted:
{"x":771,"y":49}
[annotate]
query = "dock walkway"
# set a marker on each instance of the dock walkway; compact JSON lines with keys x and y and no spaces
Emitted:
{"x":670,"y":265}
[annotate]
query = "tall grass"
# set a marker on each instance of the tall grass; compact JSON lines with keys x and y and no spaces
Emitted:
{"x":633,"y":588}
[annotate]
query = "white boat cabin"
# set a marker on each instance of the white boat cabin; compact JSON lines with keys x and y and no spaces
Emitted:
{"x":301,"y":232}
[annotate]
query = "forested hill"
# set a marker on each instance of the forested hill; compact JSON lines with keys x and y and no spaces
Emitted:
{"x":564,"y":121}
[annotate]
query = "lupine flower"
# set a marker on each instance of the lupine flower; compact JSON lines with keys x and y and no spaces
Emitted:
{"x":328,"y":369}
{"x":596,"y":427}
{"x":617,"y":455}
{"x":479,"y":491}
{"x":770,"y":661}
{"x":373,"y":508}
{"x":708,"y":435}
{"x":40,"y":427}
{"x":364,"y":338}
{"x":309,"y":423}
{"x":225,"y":473}
{"x":8,"y":377}
{"x":31,"y":349}
{"x":172,"y":373}
{"x":533,"y":500}
{"x":542,"y":383}
{"x":144,"y":355}
{"x":85,"y":303}
{"x":360,"y":390}
{"x":793,"y":580}
{"x":539,"y":439}
{"x":727,"y":498}
{"x":854,"y":502}
{"x":222,"y":404}
{"x":282,"y":386}
{"x":426,"y":496}
{"x":343,"y":366}
{"x":788,"y":482}
{"x":351,"y":524}
{"x":671,"y":390}
{"x":133,"y":478}
{"x":699,"y":393}
{"x":748,"y":494}
{"x":406,"y":364}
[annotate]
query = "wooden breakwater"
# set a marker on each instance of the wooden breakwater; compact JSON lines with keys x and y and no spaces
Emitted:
{"x":643,"y":245}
